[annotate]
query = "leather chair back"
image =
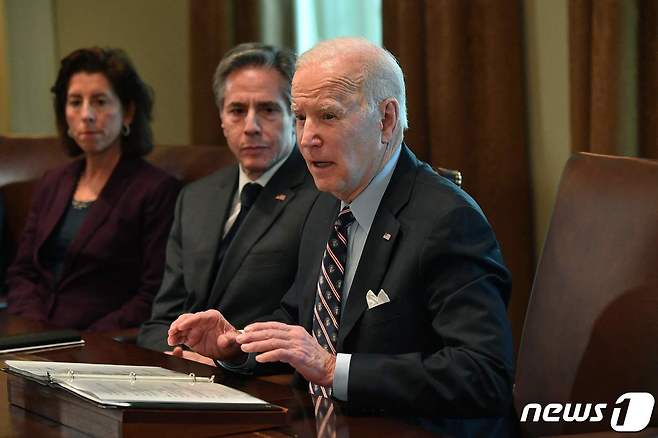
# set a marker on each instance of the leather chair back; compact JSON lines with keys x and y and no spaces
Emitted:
{"x":23,"y":160}
{"x":192,"y":162}
{"x":591,"y":329}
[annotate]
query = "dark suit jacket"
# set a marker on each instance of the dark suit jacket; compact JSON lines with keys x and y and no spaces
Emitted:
{"x":114,"y":266}
{"x":442,"y":346}
{"x":258,"y":267}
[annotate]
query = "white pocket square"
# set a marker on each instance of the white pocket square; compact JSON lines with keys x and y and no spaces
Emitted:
{"x":376,"y":300}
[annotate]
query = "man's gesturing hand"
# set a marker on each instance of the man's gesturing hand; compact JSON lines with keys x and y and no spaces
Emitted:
{"x":291,"y":344}
{"x":208,"y":333}
{"x":191,"y":355}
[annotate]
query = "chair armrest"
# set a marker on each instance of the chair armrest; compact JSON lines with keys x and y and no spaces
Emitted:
{"x":453,"y":175}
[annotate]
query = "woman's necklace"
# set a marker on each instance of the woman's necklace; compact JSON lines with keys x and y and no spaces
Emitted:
{"x":80,"y":205}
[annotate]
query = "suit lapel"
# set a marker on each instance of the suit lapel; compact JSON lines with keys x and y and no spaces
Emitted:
{"x":62,"y":196}
{"x":217,"y":207}
{"x":270,"y":203}
{"x":377,"y":252}
{"x":99,"y":211}
{"x":370,"y":272}
{"x":327,"y":210}
{"x":63,"y":193}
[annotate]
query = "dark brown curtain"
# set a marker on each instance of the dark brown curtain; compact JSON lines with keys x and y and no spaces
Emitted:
{"x":648,"y":78}
{"x":463,"y":62}
{"x":598,"y":39}
{"x":215,"y":27}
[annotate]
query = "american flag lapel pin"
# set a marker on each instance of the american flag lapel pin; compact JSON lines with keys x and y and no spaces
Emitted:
{"x":280,"y":197}
{"x":387,"y":236}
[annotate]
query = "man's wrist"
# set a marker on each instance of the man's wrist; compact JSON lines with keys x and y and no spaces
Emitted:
{"x":330,"y":369}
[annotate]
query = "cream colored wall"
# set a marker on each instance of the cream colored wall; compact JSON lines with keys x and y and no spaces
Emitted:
{"x":4,"y":69}
{"x":547,"y":67}
{"x":31,"y":62}
{"x":155,"y":34}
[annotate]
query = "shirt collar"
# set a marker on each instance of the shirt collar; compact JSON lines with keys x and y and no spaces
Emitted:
{"x":365,"y":205}
{"x":262,"y":180}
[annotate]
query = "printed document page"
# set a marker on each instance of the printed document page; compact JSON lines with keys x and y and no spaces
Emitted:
{"x":123,"y":385}
{"x":126,"y":393}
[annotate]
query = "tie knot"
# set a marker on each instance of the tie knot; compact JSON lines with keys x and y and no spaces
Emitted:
{"x":345,"y":218}
{"x":249,"y":194}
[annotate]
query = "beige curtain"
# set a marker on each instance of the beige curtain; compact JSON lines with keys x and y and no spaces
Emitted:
{"x":613,"y":51}
{"x":463,"y":62}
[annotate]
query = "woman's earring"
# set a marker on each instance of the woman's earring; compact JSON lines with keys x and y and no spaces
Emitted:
{"x":125,"y":131}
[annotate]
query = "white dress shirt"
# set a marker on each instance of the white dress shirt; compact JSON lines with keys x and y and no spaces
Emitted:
{"x":243,"y":180}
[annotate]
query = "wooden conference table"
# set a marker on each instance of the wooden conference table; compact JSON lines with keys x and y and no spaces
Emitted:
{"x":101,"y":348}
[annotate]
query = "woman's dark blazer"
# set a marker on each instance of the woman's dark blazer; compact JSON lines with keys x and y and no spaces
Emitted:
{"x":114,"y":265}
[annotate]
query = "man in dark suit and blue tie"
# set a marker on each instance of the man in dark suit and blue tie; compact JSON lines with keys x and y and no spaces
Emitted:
{"x":399,"y":303}
{"x":234,"y":242}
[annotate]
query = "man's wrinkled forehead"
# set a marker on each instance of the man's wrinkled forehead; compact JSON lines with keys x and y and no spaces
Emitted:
{"x":333,"y":80}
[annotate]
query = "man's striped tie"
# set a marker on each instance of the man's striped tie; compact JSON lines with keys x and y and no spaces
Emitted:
{"x":326,"y":311}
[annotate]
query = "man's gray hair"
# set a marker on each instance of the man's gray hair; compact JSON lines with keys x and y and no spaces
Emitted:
{"x":254,"y":55}
{"x":382,"y":77}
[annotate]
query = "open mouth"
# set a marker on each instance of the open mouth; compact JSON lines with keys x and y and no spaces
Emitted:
{"x":321,"y":164}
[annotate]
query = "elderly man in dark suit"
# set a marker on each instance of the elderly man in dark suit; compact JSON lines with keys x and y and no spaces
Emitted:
{"x":218,"y":256}
{"x":399,"y":304}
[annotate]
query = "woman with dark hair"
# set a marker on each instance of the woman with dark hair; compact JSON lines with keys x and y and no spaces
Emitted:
{"x":92,"y":251}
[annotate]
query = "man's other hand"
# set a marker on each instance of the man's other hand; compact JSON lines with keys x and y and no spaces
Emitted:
{"x":191,"y":355}
{"x":207,"y":333}
{"x":291,"y":344}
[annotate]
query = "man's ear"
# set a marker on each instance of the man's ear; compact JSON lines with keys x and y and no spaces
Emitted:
{"x":389,"y":118}
{"x":221,"y":119}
